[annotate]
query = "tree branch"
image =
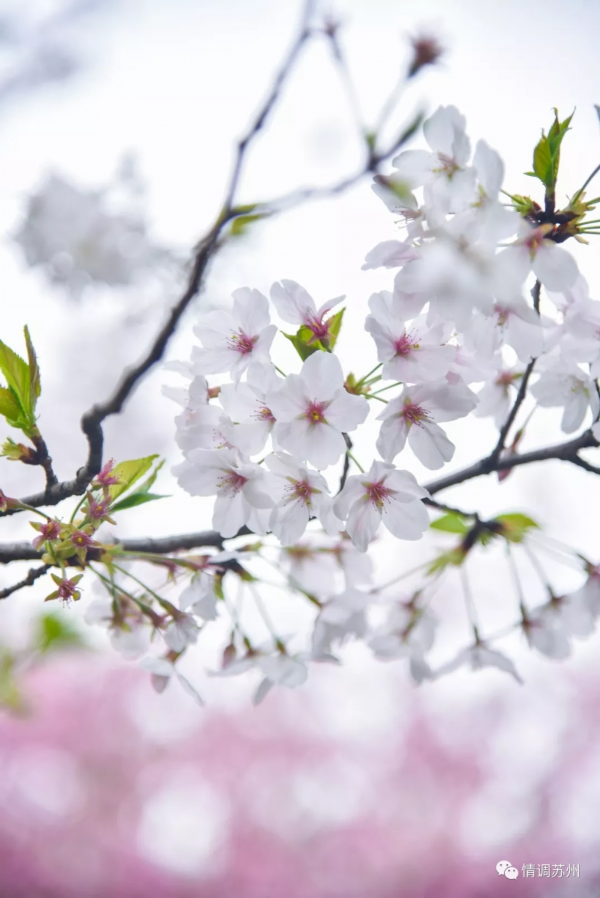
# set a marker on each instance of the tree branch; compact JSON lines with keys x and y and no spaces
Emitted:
{"x":29,"y":580}
{"x":499,"y":447}
{"x":562,"y":452}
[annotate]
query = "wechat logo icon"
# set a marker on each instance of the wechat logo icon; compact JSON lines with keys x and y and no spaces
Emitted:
{"x":505,"y":868}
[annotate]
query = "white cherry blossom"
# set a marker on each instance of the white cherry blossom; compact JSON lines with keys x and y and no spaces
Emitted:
{"x":313,"y":409}
{"x":567,"y":386}
{"x":296,"y":306}
{"x":410,"y":353}
{"x":533,"y":252}
{"x":241,"y":489}
{"x":480,"y":656}
{"x":382,"y":495}
{"x":342,"y":616}
{"x":408,"y":632}
{"x":233,"y":340}
{"x":443,"y":171}
{"x":181,"y":632}
{"x":299,"y":494}
{"x":414,"y":415}
{"x":247,"y":409}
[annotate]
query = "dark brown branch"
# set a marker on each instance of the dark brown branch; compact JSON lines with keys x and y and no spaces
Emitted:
{"x":582,"y":463}
{"x":34,"y":574}
{"x":43,"y":457}
{"x":562,"y":452}
{"x":24,"y":551}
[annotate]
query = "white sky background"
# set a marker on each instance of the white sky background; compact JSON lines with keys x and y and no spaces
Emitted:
{"x":176,"y":82}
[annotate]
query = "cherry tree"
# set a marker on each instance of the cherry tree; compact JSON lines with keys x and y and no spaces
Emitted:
{"x":487,"y":315}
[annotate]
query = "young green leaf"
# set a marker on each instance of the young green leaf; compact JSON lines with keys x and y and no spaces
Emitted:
{"x":542,"y":162}
{"x":138,"y":498}
{"x":10,"y":408}
{"x":515,"y":526}
{"x":129,"y":472}
{"x":451,"y":523}
{"x":35,"y":387}
{"x":453,"y":557}
{"x":335,"y":325}
{"x":303,"y":350}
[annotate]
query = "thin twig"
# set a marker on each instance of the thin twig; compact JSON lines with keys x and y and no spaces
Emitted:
{"x":34,"y":574}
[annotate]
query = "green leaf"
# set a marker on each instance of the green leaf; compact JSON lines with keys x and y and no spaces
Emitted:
{"x":54,"y":631}
{"x":128,"y":473}
{"x":35,"y":387}
{"x":10,"y":408}
{"x":515,"y":526}
{"x":453,"y":557}
{"x":303,"y":350}
{"x":542,"y":162}
{"x":451,"y":523}
{"x":335,"y":325}
{"x":138,"y":498}
{"x":557,"y":132}
{"x":145,"y":487}
{"x":242,"y":223}
{"x":16,"y":372}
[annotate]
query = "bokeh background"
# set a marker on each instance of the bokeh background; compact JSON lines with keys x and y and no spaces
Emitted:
{"x":359,"y":783}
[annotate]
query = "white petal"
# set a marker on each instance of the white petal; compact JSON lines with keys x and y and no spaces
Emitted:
{"x":431,"y":445}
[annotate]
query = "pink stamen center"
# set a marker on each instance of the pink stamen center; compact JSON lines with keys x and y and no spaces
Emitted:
{"x":314,"y":413}
{"x":447,"y":165}
{"x":300,"y":489}
{"x":265,"y":414}
{"x":505,"y":379}
{"x":318,"y":327}
{"x":231,"y":482}
{"x":242,"y":343}
{"x":534,"y":240}
{"x":413,"y":414}
{"x":404,"y":345}
{"x":378,"y":493}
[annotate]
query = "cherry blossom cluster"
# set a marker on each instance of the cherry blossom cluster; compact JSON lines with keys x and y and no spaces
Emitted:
{"x":487,"y":316}
{"x":456,"y":335}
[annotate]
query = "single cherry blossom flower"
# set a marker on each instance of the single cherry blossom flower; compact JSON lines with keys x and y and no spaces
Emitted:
{"x":341,"y":617}
{"x":409,"y":353}
{"x":300,"y":495}
{"x":544,"y":633}
{"x":181,"y":631}
{"x":565,"y":385}
{"x":163,"y":671}
{"x":278,"y":669}
{"x":533,"y":251}
{"x":296,"y":306}
{"x":382,"y":495}
{"x":128,"y":628}
{"x":246,"y":407}
{"x":408,"y":632}
{"x":313,"y":567}
{"x":495,"y":398}
{"x":443,"y":171}
{"x":233,"y":340}
{"x":313,"y":410}
{"x":477,"y":657}
{"x":414,"y":415}
{"x":240,"y":487}
{"x":200,"y":595}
